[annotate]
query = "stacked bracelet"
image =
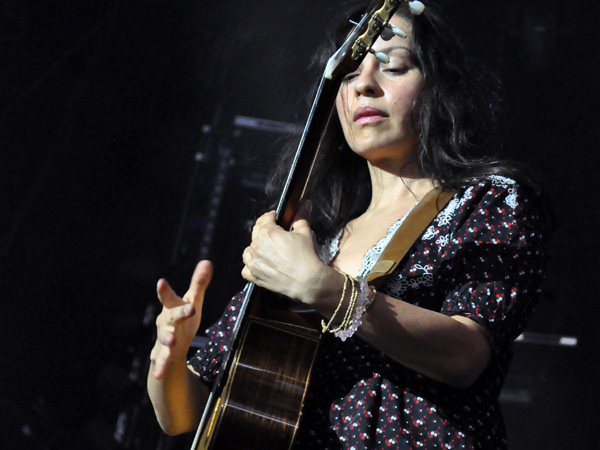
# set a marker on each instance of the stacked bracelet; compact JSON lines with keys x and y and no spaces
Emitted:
{"x":326,"y":327}
{"x":361,"y":297}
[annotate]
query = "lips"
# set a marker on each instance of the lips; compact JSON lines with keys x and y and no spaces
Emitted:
{"x":368,"y":114}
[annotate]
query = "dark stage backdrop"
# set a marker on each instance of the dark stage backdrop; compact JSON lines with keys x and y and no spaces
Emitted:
{"x":125,"y":156}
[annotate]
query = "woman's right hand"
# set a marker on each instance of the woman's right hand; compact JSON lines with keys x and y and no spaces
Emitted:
{"x":178,"y":322}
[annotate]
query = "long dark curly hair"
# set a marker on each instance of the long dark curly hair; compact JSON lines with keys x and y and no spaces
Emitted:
{"x":455,"y":115}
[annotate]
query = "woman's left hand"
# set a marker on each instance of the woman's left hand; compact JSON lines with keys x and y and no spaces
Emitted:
{"x":285,"y":262}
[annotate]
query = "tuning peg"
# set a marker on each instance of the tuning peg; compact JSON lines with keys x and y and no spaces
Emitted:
{"x":397,"y":31}
{"x":416,"y":7}
{"x":380,"y":56}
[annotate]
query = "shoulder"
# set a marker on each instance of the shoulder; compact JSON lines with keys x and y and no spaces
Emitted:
{"x":492,"y":201}
{"x":492,"y":191}
{"x":489,"y":185}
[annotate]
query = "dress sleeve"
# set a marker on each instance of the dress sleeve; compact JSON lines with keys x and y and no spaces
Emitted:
{"x":495,"y":259}
{"x":206,"y":362}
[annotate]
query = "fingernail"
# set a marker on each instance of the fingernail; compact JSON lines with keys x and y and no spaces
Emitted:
{"x":187,"y":309}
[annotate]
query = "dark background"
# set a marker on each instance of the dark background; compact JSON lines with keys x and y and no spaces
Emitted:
{"x":120,"y":163}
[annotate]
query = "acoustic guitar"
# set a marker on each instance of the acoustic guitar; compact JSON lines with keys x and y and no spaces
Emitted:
{"x":256,"y":400}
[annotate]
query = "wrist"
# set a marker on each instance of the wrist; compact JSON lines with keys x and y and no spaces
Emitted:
{"x":323,"y":289}
{"x":356,"y":297}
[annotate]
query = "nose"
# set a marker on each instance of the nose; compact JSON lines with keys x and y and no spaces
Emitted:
{"x":366,"y":83}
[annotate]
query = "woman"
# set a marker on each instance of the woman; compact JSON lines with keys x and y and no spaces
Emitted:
{"x":426,"y":366}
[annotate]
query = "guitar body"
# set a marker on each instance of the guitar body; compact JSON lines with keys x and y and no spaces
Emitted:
{"x":260,"y":406}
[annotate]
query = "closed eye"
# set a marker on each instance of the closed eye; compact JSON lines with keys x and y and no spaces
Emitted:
{"x":350,"y":77}
{"x":396,"y":70}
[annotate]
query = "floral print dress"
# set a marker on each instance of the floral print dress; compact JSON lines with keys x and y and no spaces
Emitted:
{"x":481,"y":258}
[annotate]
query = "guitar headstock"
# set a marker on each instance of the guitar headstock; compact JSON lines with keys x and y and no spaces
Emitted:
{"x":361,"y":39}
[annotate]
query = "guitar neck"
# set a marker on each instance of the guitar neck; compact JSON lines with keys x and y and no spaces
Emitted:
{"x":307,"y":152}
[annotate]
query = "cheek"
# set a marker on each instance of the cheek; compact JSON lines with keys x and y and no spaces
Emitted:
{"x":341,"y":106}
{"x":404,"y":106}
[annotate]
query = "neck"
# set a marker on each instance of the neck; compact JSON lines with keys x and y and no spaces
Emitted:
{"x":395,"y":187}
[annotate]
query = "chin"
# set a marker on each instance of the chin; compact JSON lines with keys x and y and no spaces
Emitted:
{"x":387,"y":150}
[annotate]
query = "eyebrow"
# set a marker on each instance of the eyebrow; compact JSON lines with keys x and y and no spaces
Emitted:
{"x":391,"y":48}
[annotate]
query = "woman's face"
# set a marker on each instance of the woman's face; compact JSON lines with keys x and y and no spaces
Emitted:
{"x":375,"y":103}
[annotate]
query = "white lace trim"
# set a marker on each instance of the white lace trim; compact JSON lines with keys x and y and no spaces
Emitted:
{"x":499,"y":180}
{"x":507,"y":183}
{"x":328,"y":251}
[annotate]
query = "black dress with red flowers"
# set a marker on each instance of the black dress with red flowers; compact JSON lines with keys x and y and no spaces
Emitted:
{"x":481,"y":258}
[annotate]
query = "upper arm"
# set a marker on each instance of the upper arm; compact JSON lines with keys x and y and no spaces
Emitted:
{"x":494,"y":263}
{"x":481,"y":353}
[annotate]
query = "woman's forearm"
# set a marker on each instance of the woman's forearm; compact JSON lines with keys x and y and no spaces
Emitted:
{"x":452,"y":350}
{"x":178,"y":398}
{"x":177,"y":394}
